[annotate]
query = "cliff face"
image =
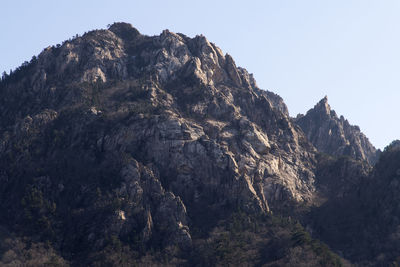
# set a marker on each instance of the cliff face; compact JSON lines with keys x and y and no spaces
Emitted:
{"x":335,"y":136}
{"x":152,"y":136}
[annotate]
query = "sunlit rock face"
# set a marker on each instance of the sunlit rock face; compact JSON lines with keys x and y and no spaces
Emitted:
{"x":147,"y":135}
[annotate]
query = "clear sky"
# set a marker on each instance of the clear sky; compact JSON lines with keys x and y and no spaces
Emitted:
{"x":302,"y":50}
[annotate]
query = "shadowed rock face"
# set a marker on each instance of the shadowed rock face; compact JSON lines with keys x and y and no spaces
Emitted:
{"x":167,"y":125}
{"x":362,"y":218}
{"x":333,"y":135}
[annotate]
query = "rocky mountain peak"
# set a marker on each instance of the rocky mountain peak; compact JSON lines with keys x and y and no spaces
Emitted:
{"x":181,"y":130}
{"x":333,"y":135}
{"x":124,"y":30}
{"x":323,"y":107}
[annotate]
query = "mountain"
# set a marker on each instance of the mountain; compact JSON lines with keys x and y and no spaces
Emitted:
{"x":121,"y":149}
{"x":335,"y":136}
{"x":116,"y":143}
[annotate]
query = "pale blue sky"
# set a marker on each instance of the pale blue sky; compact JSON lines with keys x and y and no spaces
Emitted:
{"x":302,"y":50}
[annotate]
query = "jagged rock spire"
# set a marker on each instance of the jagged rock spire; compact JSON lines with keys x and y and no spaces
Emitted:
{"x":334,"y":135}
{"x":323,"y":106}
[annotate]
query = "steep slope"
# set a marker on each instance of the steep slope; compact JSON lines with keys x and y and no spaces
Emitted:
{"x":116,"y":141}
{"x":363,"y":224}
{"x":335,"y":136}
{"x":276,"y":101}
